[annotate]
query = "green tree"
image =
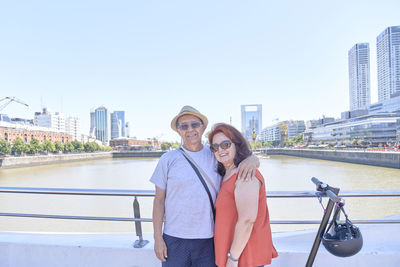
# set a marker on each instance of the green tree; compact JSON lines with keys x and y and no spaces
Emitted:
{"x":5,"y":147}
{"x":91,"y":147}
{"x":88,"y":147}
{"x":175,"y":145}
{"x":267,"y":143}
{"x":165,"y":145}
{"x":35,"y":147}
{"x":297,"y":139}
{"x":19,"y":147}
{"x":58,"y":146}
{"x":68,"y":147}
{"x":78,"y":147}
{"x":48,"y":146}
{"x":107,"y":148}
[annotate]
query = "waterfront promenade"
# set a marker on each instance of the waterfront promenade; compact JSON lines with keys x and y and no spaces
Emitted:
{"x":374,"y":158}
{"x":33,"y":160}
{"x":381,"y":248}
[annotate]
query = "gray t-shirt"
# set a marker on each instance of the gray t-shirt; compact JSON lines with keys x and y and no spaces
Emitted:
{"x":188,"y":212}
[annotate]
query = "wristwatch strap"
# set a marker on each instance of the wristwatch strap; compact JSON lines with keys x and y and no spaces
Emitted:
{"x":232,"y":258}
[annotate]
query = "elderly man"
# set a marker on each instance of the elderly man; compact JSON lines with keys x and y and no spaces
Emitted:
{"x":182,"y":202}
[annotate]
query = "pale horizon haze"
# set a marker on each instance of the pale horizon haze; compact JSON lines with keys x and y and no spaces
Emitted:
{"x":150,"y":58}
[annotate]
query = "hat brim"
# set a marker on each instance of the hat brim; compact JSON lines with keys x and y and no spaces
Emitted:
{"x":198,"y":115}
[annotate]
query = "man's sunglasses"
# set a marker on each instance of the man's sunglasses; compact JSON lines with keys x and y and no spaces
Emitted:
{"x":193,"y":125}
{"x":224,"y":145}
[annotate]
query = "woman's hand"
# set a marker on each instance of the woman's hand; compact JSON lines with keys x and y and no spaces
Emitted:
{"x":160,"y":249}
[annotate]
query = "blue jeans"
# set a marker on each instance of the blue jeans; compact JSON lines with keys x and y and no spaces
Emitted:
{"x":189,"y":252}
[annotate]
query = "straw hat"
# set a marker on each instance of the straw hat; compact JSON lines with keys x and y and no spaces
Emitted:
{"x":188,"y":110}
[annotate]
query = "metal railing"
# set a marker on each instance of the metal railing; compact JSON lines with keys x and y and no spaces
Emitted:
{"x":151,"y":193}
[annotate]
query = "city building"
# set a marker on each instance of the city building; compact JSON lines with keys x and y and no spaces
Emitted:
{"x":391,"y":105}
{"x":127,"y":129}
{"x":388,"y":61}
{"x":117,"y":124}
{"x":58,"y":122}
{"x":315,"y":123}
{"x":10,"y":131}
{"x":73,"y":127}
{"x":280,"y":132}
{"x":4,"y":117}
{"x":359,"y":76}
{"x":251,"y":120}
{"x":102,"y":124}
{"x":134,"y":144}
{"x":373,"y":129}
{"x":47,"y":119}
{"x":92,"y":124}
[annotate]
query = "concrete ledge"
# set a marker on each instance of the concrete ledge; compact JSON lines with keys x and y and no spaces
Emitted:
{"x":138,"y":154}
{"x":23,"y":161}
{"x":381,"y":248}
{"x":381,"y":159}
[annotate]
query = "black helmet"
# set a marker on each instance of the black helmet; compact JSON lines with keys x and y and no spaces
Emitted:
{"x":346,"y":239}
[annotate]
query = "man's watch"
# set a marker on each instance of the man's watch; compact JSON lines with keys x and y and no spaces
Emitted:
{"x":232,"y":258}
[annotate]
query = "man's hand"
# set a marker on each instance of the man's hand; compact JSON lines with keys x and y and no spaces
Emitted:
{"x":160,"y":249}
{"x":247,"y":168}
{"x":230,"y":263}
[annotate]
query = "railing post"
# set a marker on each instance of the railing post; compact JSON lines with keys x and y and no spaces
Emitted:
{"x":138,"y":226}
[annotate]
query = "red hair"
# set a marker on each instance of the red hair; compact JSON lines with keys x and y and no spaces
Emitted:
{"x":242,"y":147}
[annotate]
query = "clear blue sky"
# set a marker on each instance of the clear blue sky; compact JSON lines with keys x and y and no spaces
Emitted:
{"x":150,"y":58}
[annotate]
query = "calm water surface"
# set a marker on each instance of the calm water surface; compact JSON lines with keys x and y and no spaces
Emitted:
{"x":282,"y":173}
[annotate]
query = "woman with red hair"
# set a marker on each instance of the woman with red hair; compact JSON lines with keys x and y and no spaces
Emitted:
{"x":242,"y":229}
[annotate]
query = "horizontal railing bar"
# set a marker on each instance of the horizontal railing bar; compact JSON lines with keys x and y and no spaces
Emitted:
{"x":73,"y":191}
{"x":68,"y":217}
{"x":125,"y":219}
{"x":370,"y":193}
{"x":353,"y":221}
{"x":151,"y":193}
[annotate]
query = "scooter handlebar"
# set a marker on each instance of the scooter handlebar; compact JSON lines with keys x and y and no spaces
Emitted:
{"x":316,"y":181}
{"x":320,"y":185}
{"x":332,"y":196}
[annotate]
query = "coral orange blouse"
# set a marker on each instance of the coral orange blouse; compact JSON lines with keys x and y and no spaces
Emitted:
{"x":259,"y":249}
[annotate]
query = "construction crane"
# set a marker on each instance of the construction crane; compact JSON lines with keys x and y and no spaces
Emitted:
{"x":10,"y":99}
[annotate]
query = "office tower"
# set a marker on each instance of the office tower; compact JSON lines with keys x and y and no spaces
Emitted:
{"x":359,"y":84}
{"x":127,"y":129}
{"x":102,"y":124}
{"x":73,"y":127}
{"x":117,"y":124}
{"x":55,"y":121}
{"x":92,"y":124}
{"x":388,"y":59}
{"x":251,"y":120}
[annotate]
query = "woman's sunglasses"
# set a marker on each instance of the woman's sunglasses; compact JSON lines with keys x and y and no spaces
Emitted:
{"x":185,"y":126}
{"x":224,"y":145}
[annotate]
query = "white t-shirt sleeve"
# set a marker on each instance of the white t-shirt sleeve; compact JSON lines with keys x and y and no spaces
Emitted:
{"x":160,"y":174}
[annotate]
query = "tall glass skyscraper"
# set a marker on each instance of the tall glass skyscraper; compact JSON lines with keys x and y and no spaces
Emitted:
{"x":359,"y":81}
{"x":388,"y":56}
{"x":251,"y":119}
{"x":118,"y":124}
{"x":102,"y":124}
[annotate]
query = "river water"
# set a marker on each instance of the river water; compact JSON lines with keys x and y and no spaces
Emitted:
{"x":282,"y":173}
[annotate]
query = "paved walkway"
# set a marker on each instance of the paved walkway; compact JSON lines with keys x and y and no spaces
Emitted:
{"x":381,"y":248}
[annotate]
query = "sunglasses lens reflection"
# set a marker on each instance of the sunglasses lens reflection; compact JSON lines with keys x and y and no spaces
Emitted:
{"x":224,"y":145}
{"x":185,"y":126}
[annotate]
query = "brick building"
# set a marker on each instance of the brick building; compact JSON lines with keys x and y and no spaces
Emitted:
{"x":11,"y":131}
{"x":133,"y":144}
